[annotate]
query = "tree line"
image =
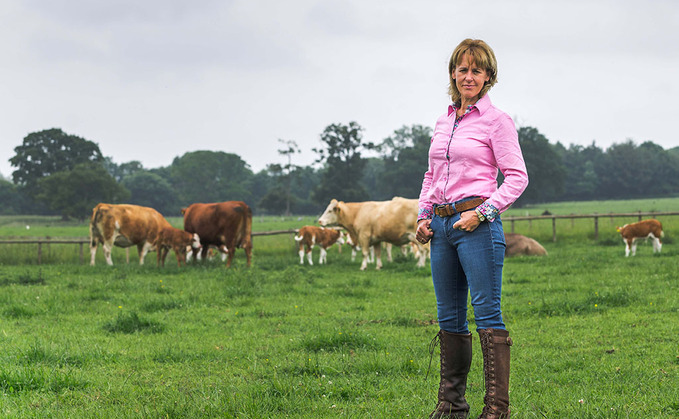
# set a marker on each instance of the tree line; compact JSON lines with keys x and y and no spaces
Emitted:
{"x":60,"y":173}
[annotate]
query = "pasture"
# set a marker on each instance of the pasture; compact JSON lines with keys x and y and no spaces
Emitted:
{"x":595,"y":334}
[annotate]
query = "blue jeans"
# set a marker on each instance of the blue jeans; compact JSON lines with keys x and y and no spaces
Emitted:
{"x":465,"y":263}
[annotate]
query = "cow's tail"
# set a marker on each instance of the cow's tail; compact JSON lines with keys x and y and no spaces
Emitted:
{"x":98,"y":214}
{"x":248,"y":228}
{"x":298,"y":238}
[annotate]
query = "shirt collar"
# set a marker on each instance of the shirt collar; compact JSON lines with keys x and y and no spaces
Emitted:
{"x":481,"y":105}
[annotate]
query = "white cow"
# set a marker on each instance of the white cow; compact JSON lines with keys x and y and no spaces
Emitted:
{"x":374,"y":222}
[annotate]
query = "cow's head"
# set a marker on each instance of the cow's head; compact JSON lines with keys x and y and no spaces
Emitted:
{"x":195,"y":241}
{"x":329,"y":216}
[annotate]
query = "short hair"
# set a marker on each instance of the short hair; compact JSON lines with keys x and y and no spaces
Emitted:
{"x":482,"y":55}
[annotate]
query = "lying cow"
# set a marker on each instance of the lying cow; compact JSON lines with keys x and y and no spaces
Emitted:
{"x":309,"y":236}
{"x":374,"y":222}
{"x":177,"y":240}
{"x":124,"y":226}
{"x":221,"y":224}
{"x":522,"y":245}
{"x":642,"y":230}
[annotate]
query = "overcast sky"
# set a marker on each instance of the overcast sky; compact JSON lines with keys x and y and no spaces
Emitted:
{"x":151,"y":80}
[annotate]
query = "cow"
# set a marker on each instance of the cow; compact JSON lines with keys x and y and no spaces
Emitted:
{"x":124,"y":225}
{"x":642,"y":230}
{"x":221,"y":224}
{"x":309,"y":236}
{"x":518,"y":244}
{"x":374,"y":222}
{"x":178,"y":240}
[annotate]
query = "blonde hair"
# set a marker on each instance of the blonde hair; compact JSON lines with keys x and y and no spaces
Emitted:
{"x":482,"y":55}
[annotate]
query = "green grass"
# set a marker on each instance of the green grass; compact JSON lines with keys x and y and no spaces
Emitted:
{"x":595,"y":334}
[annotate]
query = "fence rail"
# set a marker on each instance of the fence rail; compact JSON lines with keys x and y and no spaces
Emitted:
{"x":40,"y":241}
{"x":512,"y":220}
{"x":595,"y":216}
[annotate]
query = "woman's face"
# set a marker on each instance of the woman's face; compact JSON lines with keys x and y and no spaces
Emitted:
{"x":469,"y":78}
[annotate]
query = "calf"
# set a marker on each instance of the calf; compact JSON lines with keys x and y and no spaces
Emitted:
{"x":642,"y":230}
{"x":309,"y":236}
{"x":178,"y":240}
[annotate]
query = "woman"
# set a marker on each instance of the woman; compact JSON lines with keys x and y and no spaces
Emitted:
{"x":459,"y":211}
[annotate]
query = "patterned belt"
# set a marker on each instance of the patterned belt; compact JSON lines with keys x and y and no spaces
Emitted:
{"x":452,"y":209}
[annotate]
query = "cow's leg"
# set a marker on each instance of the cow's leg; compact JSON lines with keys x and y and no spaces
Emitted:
{"x":309,"y":254}
{"x":657,"y":245}
{"x":143,"y":249}
{"x":627,"y":247}
{"x":353,"y":254}
{"x":229,"y":257}
{"x":634,"y":247}
{"x":301,"y":255}
{"x":323,"y":257}
{"x":108,"y":247}
{"x":93,"y":252}
{"x":388,"y":250}
{"x":366,"y":257}
{"x":378,"y":256}
{"x":421,"y":255}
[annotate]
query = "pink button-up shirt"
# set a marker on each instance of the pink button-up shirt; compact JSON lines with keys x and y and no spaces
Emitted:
{"x":466,"y":163}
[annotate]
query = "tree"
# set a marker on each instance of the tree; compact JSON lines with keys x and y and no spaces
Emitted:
{"x":47,"y":152}
{"x":581,"y":164}
{"x":289,"y":169}
{"x":13,"y":201}
{"x":545,"y":170}
{"x":405,"y":155}
{"x":150,"y":190}
{"x":120,"y":171}
{"x":211,"y":176}
{"x":75,"y":192}
{"x":343,"y":164}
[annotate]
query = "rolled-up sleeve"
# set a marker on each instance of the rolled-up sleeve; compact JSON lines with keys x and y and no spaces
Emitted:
{"x":505,"y":145}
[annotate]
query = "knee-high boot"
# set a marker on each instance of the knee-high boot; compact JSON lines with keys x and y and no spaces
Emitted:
{"x":456,"y":359}
{"x":495,"y":345}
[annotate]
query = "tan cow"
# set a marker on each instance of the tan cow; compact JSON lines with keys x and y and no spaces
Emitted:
{"x":522,"y":245}
{"x":309,"y":236}
{"x":642,"y":230}
{"x":179,"y":241}
{"x":374,"y":222}
{"x":124,"y":226}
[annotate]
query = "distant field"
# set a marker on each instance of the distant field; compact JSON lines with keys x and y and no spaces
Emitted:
{"x":595,"y":333}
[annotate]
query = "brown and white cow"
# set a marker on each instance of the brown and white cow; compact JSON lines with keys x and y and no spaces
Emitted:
{"x":124,"y":225}
{"x":309,"y":236}
{"x":642,"y":230}
{"x":518,"y":244}
{"x":221,"y":224}
{"x":179,"y":241}
{"x":374,"y":222}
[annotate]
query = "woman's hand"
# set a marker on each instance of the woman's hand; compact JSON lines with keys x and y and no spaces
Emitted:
{"x":468,"y":221}
{"x":424,"y":233}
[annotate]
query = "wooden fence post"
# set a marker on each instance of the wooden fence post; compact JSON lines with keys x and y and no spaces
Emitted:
{"x":81,"y":253}
{"x":39,"y":252}
{"x":596,"y":227}
{"x":554,"y":229}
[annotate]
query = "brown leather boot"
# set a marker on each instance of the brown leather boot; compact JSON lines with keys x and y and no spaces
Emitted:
{"x":456,"y":358}
{"x":495,"y":345}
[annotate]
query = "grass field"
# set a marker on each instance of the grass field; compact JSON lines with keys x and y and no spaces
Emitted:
{"x":596,"y":334}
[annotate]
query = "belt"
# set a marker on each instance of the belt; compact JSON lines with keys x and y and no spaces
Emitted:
{"x":452,"y":209}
